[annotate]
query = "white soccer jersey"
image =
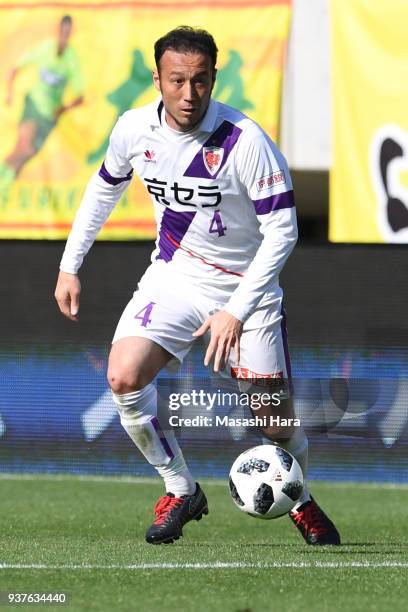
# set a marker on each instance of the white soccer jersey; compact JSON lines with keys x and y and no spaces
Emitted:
{"x":222,"y":197}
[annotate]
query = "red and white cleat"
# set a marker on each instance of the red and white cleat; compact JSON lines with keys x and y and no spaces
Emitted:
{"x":172,"y":513}
{"x":314,"y":525}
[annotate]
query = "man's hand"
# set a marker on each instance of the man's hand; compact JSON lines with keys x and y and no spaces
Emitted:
{"x":67,"y":294}
{"x":225,"y":334}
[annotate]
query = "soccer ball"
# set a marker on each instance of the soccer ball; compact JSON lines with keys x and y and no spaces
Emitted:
{"x":265,"y":481}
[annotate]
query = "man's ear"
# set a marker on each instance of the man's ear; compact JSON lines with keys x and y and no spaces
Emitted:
{"x":156,"y":79}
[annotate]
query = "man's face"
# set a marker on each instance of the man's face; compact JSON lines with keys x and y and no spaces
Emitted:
{"x":185,"y":81}
{"x":64,"y":35}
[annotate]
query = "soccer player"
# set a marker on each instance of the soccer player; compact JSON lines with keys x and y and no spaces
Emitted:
{"x":226,"y":221}
{"x":58,"y":66}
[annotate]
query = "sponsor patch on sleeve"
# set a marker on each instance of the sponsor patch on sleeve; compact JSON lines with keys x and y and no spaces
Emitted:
{"x":266,"y":182}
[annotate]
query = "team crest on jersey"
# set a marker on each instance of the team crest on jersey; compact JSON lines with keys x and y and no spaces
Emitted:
{"x":213,"y":158}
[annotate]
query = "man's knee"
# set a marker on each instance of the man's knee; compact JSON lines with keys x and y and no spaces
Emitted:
{"x":123,"y":379}
{"x":28,"y":153}
{"x":133,"y":364}
{"x":25,"y":153}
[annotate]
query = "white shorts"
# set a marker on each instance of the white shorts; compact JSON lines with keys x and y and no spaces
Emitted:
{"x":169,"y":313}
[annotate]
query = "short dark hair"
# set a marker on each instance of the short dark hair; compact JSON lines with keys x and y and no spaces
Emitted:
{"x":66,"y":20}
{"x":186,"y":39}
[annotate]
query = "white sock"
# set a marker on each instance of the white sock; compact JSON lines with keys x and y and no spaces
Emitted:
{"x":138,"y":415}
{"x":176,"y":476}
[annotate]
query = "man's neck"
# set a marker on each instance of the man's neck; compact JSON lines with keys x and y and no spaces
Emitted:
{"x":175,"y":131}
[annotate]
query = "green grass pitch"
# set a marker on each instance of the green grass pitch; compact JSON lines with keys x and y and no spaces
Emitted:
{"x":85,"y":537}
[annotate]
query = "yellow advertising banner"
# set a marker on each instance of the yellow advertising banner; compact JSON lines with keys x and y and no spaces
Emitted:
{"x":57,"y":109}
{"x":369,"y":179}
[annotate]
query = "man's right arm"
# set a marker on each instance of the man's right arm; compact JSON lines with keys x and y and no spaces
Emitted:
{"x":29,"y":57}
{"x":102,"y":193}
{"x":67,"y":294}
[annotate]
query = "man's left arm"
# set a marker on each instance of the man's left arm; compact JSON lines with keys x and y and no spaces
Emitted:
{"x":279,"y":229}
{"x":266,"y":182}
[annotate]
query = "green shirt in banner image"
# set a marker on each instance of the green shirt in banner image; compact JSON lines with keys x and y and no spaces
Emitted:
{"x":55,"y":72}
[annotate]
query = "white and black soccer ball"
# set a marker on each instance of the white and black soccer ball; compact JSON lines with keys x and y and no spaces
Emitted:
{"x":266,"y":481}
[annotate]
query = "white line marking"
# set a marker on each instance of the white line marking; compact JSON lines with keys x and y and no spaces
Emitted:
{"x":215,"y":565}
{"x":141,"y":480}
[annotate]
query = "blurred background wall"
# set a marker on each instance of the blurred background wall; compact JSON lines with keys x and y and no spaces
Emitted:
{"x":306,"y":132}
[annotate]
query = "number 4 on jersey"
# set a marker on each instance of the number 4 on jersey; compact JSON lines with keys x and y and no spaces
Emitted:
{"x":144,"y":314}
{"x":216,"y":225}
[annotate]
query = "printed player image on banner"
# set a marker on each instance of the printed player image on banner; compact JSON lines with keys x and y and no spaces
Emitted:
{"x":68,"y":71}
{"x":369,"y":179}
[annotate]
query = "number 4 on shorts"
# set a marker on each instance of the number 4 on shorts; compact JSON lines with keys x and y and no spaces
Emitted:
{"x":144,"y":314}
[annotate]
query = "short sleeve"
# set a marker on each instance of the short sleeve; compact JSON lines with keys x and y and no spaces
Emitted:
{"x":33,"y":56}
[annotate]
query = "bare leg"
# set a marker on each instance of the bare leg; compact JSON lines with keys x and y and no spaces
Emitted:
{"x":134,"y":362}
{"x":24,"y":149}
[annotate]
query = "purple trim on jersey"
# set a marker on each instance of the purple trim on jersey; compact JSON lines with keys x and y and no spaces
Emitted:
{"x":275,"y":202}
{"x":175,"y":224}
{"x":113,"y":180}
{"x":162,"y":438}
{"x":284,"y":332}
{"x":226,"y":137}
